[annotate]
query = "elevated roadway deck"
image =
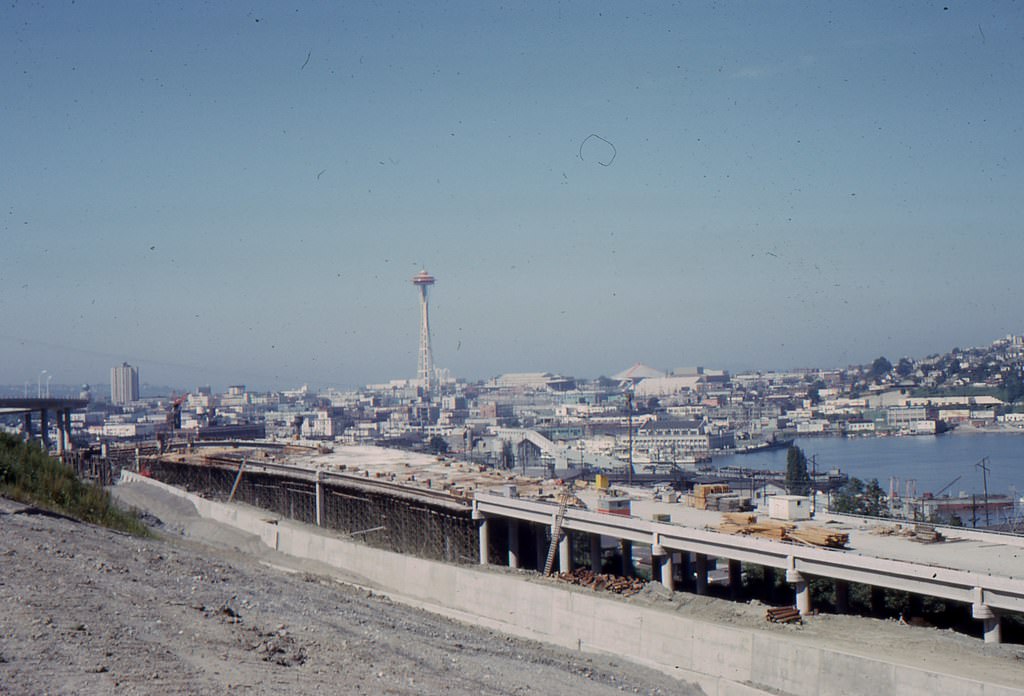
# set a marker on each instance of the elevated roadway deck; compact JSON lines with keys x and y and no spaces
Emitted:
{"x":986,"y":571}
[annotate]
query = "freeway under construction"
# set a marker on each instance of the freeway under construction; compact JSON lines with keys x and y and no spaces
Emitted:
{"x":461,"y":513}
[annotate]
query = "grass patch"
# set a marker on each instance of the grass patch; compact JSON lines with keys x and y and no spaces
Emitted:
{"x":29,"y":475}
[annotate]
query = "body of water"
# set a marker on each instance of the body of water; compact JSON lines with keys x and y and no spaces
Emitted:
{"x":932,"y":460}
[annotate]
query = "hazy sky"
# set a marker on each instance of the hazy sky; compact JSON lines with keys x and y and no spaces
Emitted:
{"x":241,"y":192}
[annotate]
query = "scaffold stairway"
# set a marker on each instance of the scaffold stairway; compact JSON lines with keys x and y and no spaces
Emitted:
{"x":556,"y":530}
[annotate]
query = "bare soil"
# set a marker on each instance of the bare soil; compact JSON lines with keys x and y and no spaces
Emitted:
{"x":202,"y":609}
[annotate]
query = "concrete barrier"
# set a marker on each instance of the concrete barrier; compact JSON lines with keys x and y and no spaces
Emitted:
{"x":723,"y":660}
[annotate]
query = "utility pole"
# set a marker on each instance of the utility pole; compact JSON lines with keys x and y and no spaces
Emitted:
{"x":814,"y":479}
{"x":983,"y":465}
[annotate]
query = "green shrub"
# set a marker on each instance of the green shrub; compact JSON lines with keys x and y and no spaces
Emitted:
{"x":29,"y":475}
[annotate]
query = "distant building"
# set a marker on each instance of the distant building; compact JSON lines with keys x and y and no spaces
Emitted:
{"x":124,"y":384}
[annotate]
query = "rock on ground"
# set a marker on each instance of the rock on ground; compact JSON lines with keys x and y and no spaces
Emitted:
{"x":87,"y":610}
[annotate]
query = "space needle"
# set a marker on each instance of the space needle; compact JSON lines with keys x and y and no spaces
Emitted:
{"x":425,"y":372}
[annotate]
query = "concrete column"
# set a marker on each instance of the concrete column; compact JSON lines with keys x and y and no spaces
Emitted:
{"x":28,"y":425}
{"x":484,"y":541}
{"x":565,"y":553}
{"x":803,"y":591}
{"x":991,"y":628}
{"x":735,"y":578}
{"x":595,"y":553}
{"x":626,"y":548}
{"x":701,"y":563}
{"x":657,"y":551}
{"x":685,"y":571}
{"x":60,"y":433}
{"x":664,"y":560}
{"x":44,"y":428}
{"x":319,"y":498}
{"x":842,"y":596}
{"x":67,"y":429}
{"x":513,"y":543}
{"x":989,"y":619}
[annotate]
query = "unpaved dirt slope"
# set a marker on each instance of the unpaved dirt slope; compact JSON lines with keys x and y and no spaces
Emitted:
{"x":87,"y":611}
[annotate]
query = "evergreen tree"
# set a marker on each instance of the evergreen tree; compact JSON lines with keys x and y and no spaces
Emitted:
{"x":798,"y":481}
{"x":856,"y":497}
{"x":880,"y":368}
{"x":437,"y":445}
{"x":847,"y":498}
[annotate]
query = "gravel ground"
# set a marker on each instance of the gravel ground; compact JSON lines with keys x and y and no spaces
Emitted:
{"x":87,"y":610}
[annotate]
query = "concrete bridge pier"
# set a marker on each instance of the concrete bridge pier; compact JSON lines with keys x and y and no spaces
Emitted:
{"x":685,"y":571}
{"x":44,"y":428}
{"x":483,"y":535}
{"x":28,"y":425}
{"x":701,"y":564}
{"x":662,"y":559}
{"x":513,"y":543}
{"x":67,"y":429}
{"x":802,"y":589}
{"x":595,"y":553}
{"x":626,"y":548}
{"x":565,"y":552}
{"x":60,"y":433}
{"x":63,"y":417}
{"x":990,"y":625}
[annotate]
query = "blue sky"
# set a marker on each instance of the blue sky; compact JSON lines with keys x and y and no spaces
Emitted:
{"x":240,"y":192}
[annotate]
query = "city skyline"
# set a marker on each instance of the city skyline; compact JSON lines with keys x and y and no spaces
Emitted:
{"x":222,"y":195}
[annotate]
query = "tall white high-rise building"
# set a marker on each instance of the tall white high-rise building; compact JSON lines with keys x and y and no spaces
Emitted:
{"x":124,"y":384}
{"x":425,"y":369}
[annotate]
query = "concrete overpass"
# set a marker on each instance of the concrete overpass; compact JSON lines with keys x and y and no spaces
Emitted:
{"x":62,"y":409}
{"x":563,"y":454}
{"x":983,"y":570}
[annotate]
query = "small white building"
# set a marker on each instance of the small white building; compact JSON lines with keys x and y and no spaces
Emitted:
{"x":789,"y":507}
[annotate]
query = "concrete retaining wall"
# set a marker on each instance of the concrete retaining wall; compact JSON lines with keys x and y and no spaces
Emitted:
{"x":723,"y":660}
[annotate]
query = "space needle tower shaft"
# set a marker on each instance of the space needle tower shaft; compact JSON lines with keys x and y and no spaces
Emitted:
{"x":425,"y":370}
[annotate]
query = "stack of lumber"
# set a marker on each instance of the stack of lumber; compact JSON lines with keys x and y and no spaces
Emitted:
{"x":925,"y":533}
{"x":765,"y":529}
{"x":699,"y":498}
{"x":783,"y":615}
{"x":603,"y":582}
{"x":727,"y":502}
{"x":748,"y":525}
{"x":819,"y":536}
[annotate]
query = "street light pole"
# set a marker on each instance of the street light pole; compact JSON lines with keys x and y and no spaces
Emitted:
{"x":629,"y":408}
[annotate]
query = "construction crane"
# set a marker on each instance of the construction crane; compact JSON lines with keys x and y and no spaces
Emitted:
{"x":946,"y":487}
